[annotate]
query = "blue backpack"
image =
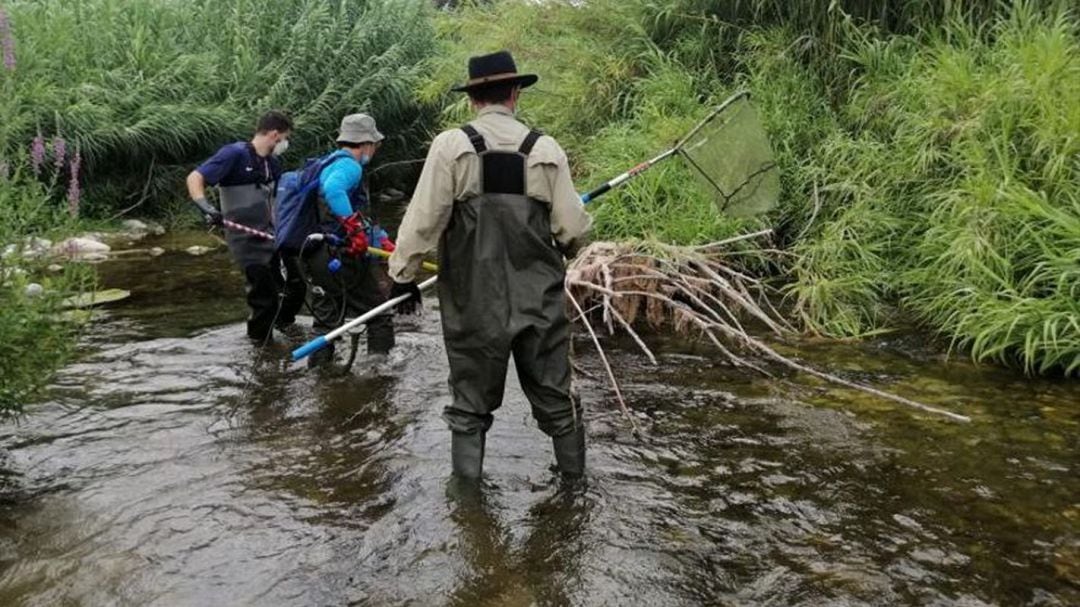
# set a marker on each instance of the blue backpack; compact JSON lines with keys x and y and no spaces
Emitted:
{"x":296,"y":215}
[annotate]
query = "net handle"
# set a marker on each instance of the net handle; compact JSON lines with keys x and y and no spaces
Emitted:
{"x":648,"y":164}
{"x":712,"y":116}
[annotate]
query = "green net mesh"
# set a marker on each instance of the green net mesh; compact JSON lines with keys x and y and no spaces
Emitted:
{"x":732,"y":158}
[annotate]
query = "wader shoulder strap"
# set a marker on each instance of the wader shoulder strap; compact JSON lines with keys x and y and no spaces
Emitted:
{"x":530,"y":141}
{"x":480,"y":145}
{"x":476,"y":138}
{"x":501,"y":172}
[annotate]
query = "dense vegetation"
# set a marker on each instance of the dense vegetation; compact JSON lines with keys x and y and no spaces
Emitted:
{"x":146,"y":88}
{"x":930,"y":151}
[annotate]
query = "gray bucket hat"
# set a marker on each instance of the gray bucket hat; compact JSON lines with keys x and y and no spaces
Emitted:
{"x":359,"y":128}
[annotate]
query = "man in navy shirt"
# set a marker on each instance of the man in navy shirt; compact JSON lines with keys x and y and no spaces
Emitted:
{"x":245,"y":173}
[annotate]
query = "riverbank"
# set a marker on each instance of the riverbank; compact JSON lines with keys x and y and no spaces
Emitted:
{"x":927,"y":158}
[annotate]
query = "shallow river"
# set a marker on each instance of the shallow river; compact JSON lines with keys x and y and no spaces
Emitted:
{"x":175,"y":463}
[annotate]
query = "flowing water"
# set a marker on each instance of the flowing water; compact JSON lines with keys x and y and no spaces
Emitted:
{"x":175,"y":463}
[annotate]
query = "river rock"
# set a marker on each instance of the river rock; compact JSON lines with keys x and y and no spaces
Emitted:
{"x":134,"y":230}
{"x":34,"y":290}
{"x":8,"y":273}
{"x":197,"y":250}
{"x":40,"y":246}
{"x":134,"y":225}
{"x":156,"y":251}
{"x":34,"y":247}
{"x":31,"y":247}
{"x":80,"y":248}
{"x":55,"y":268}
{"x":93,"y":257}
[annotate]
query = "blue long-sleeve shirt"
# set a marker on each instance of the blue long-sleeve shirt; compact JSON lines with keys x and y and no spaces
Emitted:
{"x":337,"y":183}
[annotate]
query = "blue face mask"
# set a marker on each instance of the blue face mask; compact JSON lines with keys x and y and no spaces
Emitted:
{"x":364,"y":160}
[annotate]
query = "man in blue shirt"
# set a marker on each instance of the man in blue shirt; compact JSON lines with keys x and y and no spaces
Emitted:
{"x":245,"y":173}
{"x":345,"y":280}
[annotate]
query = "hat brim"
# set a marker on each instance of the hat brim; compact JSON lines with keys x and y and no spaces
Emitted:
{"x":374,"y":139}
{"x":522,"y":80}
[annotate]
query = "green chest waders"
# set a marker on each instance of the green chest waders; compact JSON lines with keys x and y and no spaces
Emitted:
{"x":501,"y":293}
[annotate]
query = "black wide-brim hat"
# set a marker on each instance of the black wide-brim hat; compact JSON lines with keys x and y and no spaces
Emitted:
{"x":494,"y":70}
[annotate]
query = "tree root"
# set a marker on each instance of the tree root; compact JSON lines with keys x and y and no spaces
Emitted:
{"x":688,"y":290}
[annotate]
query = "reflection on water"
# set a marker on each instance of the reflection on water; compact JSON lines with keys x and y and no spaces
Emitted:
{"x":177,"y":464}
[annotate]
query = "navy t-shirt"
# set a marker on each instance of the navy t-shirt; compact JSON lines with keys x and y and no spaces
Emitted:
{"x":238,"y":164}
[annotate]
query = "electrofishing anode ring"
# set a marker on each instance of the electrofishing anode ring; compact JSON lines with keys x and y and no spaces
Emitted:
{"x":335,"y":263}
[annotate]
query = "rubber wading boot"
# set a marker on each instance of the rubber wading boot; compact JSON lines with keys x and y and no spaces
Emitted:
{"x":467,"y":454}
{"x":380,"y":338}
{"x":570,"y":452}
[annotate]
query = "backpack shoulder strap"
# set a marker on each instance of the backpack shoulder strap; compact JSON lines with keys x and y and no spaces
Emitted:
{"x":475,"y":138}
{"x":330,"y":159}
{"x":323,"y":164}
{"x":530,"y":141}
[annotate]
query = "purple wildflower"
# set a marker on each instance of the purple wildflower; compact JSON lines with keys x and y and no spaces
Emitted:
{"x":74,"y":193}
{"x":37,"y":154}
{"x":59,"y":147}
{"x":7,"y":42}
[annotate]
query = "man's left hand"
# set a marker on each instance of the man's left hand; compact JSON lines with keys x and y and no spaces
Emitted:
{"x":410,"y":305}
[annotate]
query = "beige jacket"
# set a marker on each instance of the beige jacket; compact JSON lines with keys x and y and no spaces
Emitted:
{"x":452,"y":172}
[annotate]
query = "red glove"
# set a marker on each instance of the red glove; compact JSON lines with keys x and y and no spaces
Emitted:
{"x":386,"y":244}
{"x":356,"y":243}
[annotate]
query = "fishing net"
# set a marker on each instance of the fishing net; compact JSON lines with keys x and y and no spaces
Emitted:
{"x":730,"y":155}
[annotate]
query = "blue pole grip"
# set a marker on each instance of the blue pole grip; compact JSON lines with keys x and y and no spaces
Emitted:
{"x":312,"y":346}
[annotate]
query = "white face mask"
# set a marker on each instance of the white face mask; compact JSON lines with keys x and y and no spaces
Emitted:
{"x":280,"y":148}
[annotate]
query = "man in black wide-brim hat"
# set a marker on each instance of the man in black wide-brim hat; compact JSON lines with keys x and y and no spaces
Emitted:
{"x":498,"y":200}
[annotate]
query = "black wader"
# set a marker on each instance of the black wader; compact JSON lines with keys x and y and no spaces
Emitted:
{"x":501,"y":293}
{"x":349,"y":292}
{"x":275,"y":290}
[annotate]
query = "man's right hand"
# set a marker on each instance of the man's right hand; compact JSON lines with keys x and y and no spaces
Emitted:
{"x":212,"y":216}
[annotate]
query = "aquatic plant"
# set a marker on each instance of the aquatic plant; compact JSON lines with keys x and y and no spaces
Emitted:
{"x":35,"y":338}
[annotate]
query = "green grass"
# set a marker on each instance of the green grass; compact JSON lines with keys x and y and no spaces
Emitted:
{"x":624,"y":101}
{"x":35,"y":339}
{"x":953,"y":186}
{"x":148,"y":88}
{"x":928,"y":150}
